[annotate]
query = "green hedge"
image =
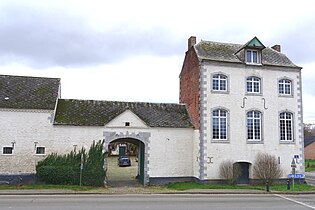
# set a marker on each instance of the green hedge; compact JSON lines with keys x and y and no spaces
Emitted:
{"x":65,"y":169}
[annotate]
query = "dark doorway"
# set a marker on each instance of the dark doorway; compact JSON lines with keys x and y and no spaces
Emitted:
{"x":244,"y":177}
{"x":129,"y":176}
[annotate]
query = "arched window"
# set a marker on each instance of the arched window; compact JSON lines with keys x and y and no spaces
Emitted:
{"x":286,"y":126}
{"x":285,"y":87}
{"x":219,"y":124}
{"x":254,"y":125}
{"x":253,"y":85}
{"x":219,"y":82}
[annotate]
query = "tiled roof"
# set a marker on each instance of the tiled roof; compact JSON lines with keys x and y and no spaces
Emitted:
{"x":20,"y":92}
{"x":227,"y":52}
{"x":308,"y":140}
{"x":99,"y":113}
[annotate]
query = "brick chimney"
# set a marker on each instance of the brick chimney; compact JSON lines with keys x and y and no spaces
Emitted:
{"x":277,"y":47}
{"x":191,"y":41}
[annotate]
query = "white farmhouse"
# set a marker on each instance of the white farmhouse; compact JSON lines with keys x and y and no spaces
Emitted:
{"x":243,"y":99}
{"x":235,"y":101}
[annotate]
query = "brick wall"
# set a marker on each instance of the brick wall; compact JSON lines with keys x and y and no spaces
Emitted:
{"x":310,"y":151}
{"x":189,"y":85}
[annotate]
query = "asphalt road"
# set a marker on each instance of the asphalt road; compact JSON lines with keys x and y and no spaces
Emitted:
{"x":158,"y":202}
{"x":310,"y":177}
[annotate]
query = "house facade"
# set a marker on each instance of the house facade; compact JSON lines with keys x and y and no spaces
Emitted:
{"x":244,"y":99}
{"x":236,"y":101}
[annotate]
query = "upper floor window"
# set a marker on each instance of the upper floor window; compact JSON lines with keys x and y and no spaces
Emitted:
{"x":219,"y":124}
{"x":286,"y":126}
{"x":252,"y":56}
{"x":253,"y":85}
{"x":7,"y":150}
{"x":219,"y":82}
{"x":254,"y":124}
{"x":285,"y":87}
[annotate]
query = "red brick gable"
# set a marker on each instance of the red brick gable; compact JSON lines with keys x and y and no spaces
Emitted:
{"x":190,"y":87}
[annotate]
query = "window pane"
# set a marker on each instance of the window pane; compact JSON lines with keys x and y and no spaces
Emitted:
{"x":249,"y":56}
{"x":255,"y":60}
{"x":215,"y":84}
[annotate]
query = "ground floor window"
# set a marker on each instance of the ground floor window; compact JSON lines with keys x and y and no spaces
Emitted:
{"x":7,"y":150}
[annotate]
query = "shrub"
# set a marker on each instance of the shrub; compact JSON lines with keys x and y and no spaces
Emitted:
{"x":266,"y":167}
{"x":65,"y":169}
{"x":229,"y":171}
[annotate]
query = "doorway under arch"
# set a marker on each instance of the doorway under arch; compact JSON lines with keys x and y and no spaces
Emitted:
{"x":141,"y":141}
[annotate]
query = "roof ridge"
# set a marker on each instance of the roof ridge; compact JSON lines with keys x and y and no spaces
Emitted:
{"x":129,"y":102}
{"x":7,"y":75}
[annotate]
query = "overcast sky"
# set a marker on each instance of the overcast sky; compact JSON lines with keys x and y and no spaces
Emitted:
{"x":134,"y":50}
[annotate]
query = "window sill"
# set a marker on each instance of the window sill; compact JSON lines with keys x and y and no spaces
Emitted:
{"x":253,"y":64}
{"x":287,"y":142}
{"x":255,"y":142}
{"x":254,"y":94}
{"x":220,"y":141}
{"x":286,"y":96}
{"x":219,"y":91}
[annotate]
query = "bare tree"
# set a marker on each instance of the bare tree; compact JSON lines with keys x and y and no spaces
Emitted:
{"x":230,"y":171}
{"x":266,"y":167}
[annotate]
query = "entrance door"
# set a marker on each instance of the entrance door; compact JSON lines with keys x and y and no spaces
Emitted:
{"x":244,"y":177}
{"x":141,"y":161}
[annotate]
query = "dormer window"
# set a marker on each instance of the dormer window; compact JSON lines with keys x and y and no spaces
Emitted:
{"x":252,"y":56}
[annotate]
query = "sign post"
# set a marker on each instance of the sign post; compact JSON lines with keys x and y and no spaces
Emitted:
{"x":81,"y":168}
{"x":293,"y":166}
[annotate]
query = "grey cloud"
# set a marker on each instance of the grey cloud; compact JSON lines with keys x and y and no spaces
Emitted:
{"x":298,"y":43}
{"x":54,"y":38}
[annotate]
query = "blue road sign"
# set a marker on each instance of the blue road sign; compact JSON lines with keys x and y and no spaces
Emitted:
{"x":296,"y":176}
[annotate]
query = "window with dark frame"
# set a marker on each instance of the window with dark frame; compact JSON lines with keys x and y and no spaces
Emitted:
{"x":7,"y":150}
{"x":40,"y":150}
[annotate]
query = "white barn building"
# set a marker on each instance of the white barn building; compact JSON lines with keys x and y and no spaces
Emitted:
{"x":235,"y":101}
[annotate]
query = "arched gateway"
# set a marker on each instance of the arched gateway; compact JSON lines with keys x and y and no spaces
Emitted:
{"x":142,"y":139}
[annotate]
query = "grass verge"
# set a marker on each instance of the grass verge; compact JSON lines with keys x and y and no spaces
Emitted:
{"x":278,"y":187}
{"x":45,"y":187}
{"x":309,"y":165}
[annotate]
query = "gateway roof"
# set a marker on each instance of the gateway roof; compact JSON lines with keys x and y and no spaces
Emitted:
{"x":99,"y":113}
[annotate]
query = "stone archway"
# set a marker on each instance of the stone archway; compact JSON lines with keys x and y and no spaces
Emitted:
{"x":143,"y":137}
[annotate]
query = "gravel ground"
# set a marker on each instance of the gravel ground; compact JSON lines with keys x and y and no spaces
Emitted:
{"x":122,"y":176}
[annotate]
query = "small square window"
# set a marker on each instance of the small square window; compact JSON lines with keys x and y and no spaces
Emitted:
{"x":7,"y":150}
{"x":40,"y":150}
{"x":127,"y":124}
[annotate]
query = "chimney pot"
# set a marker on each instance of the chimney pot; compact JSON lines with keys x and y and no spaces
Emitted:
{"x":191,"y":41}
{"x":277,"y":47}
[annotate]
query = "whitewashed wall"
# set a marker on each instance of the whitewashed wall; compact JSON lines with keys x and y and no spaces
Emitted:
{"x":171,"y":149}
{"x":238,"y":149}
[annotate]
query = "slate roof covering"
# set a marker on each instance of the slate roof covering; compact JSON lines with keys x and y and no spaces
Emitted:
{"x":227,"y":52}
{"x":99,"y":113}
{"x":20,"y":92}
{"x":308,"y":140}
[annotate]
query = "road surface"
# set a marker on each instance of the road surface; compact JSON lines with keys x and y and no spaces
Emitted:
{"x":157,"y":202}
